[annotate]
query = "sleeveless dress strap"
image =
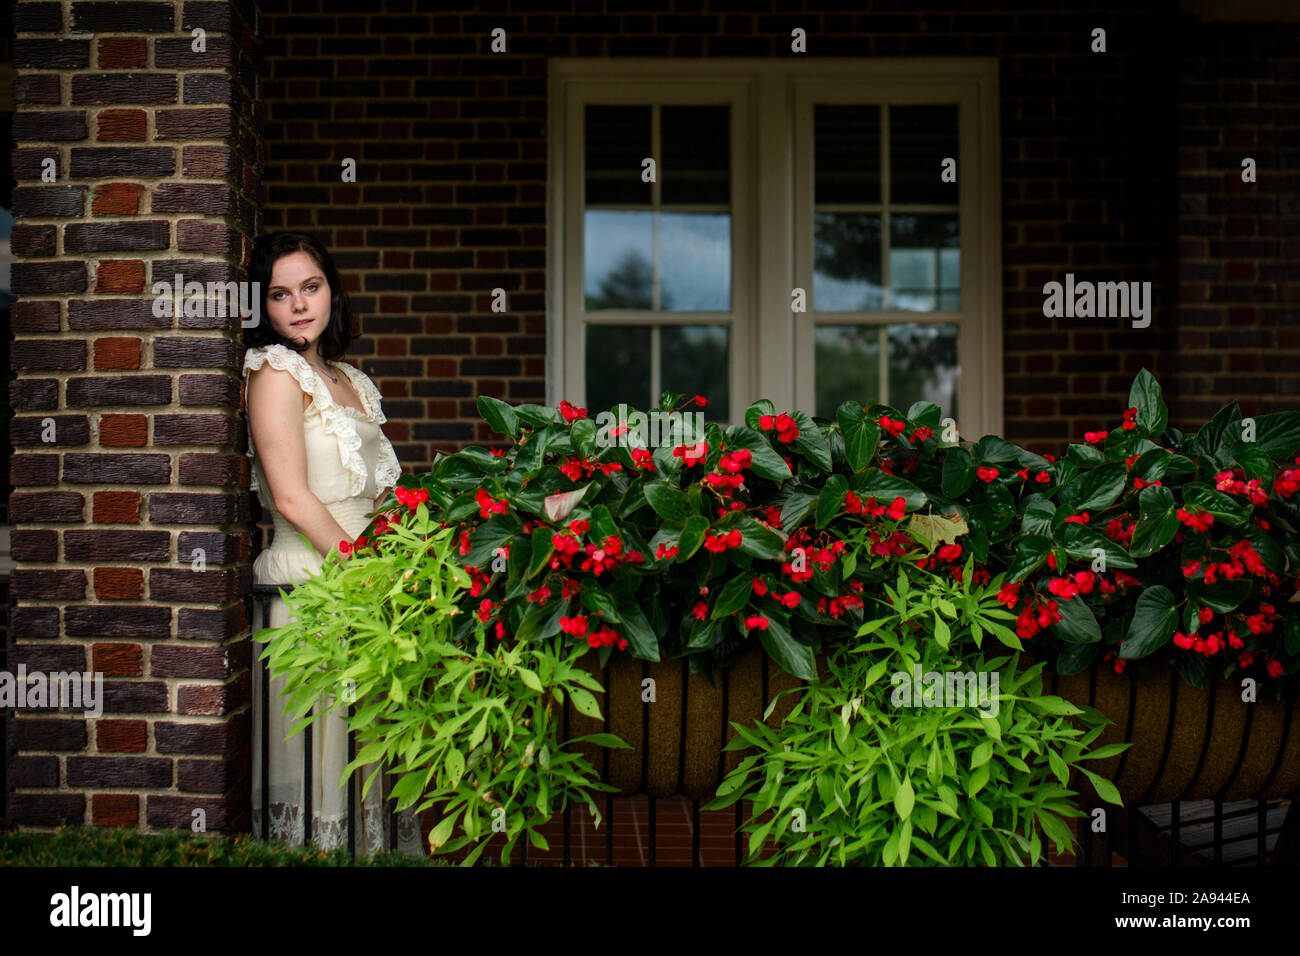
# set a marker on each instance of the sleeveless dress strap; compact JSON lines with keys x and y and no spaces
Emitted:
{"x":334,"y":418}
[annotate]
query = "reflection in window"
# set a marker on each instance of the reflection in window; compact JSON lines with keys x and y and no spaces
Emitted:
{"x":920,"y":365}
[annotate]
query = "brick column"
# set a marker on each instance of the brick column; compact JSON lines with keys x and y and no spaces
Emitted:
{"x":138,"y":157}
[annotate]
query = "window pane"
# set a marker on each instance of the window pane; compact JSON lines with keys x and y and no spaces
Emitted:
{"x":847,"y":366}
{"x":920,"y":138}
{"x":617,"y":140}
{"x":696,"y":162}
{"x":695,"y":252}
{"x":923,"y":366}
{"x":618,"y":260}
{"x":924,"y":262}
{"x":846,"y":262}
{"x":846,"y":154}
{"x":695,"y":360}
{"x":618,"y":367}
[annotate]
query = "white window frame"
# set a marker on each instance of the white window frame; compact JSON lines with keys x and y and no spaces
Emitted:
{"x":772,"y":355}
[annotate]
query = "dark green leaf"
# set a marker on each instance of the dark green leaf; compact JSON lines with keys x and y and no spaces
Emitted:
{"x":733,"y":596}
{"x":831,"y":500}
{"x":861,"y":434}
{"x":1078,"y":625}
{"x":958,"y":472}
{"x":1154,"y":621}
{"x":1157,"y":523}
{"x":500,"y":416}
{"x":669,"y":502}
{"x":1145,"y":396}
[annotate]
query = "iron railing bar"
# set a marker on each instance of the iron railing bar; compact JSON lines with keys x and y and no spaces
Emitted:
{"x":352,"y":793}
{"x":306,"y":783}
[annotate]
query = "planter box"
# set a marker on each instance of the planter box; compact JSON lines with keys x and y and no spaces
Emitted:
{"x":1187,"y":744}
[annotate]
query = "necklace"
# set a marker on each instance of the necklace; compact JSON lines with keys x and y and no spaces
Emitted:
{"x":332,"y":378}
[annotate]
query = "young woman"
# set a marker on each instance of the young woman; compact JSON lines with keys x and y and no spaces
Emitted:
{"x":321,"y":464}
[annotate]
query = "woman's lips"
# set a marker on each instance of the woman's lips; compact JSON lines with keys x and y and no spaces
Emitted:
{"x":301,"y":322}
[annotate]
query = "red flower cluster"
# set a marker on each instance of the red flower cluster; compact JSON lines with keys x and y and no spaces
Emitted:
{"x":600,"y":637}
{"x":1197,"y":522}
{"x":756,"y":621}
{"x":724,"y":541}
{"x":643,"y":459}
{"x":487,"y":505}
{"x":571,"y":413}
{"x":736,"y":460}
{"x":896,"y":510}
{"x":1066,"y":588}
{"x":1036,"y":617}
{"x":921,"y":434}
{"x":412,"y":499}
{"x":727,"y":484}
{"x":574,"y":468}
{"x":666,"y":551}
{"x":836,"y":607}
{"x":1229,"y":482}
{"x":1043,"y":478}
{"x":1093,"y":438}
{"x":691,"y":455}
{"x":986,"y":474}
{"x":786,"y":429}
{"x":1120,"y":529}
{"x":890,"y":425}
{"x":1130,"y":420}
{"x":896,"y":544}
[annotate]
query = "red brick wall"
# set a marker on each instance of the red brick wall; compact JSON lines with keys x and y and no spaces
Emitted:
{"x":156,"y":151}
{"x":1239,"y":243}
{"x":450,"y":198}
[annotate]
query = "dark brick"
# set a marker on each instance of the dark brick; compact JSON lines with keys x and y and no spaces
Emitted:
{"x":34,"y":771}
{"x":49,"y":657}
{"x":65,"y":126}
{"x":193,"y":352}
{"x":29,"y":240}
{"x":36,"y":623}
{"x":47,"y":584}
{"x":47,"y":809}
{"x":41,"y":89}
{"x":101,"y":621}
{"x":47,"y":278}
{"x":126,"y":469}
{"x":223,"y":390}
{"x":219,"y":814}
{"x":209,"y":198}
{"x":105,"y":391}
{"x":192,"y":509}
{"x":105,"y":545}
{"x":222,"y":471}
{"x":52,"y":506}
{"x":34,"y":316}
{"x":218,"y":547}
{"x":195,"y":429}
{"x":39,"y":202}
{"x":192,"y":661}
{"x":32,"y":54}
{"x":135,"y":697}
{"x":28,"y":545}
{"x":87,"y":315}
{"x":68,"y":430}
{"x":135,"y":772}
{"x":207,"y":624}
{"x":194,"y":587}
{"x":116,"y":236}
{"x":68,"y":355}
{"x":212,"y":739}
{"x":194,"y":124}
{"x":203,"y":776}
{"x":48,"y":734}
{"x":134,"y":88}
{"x":93,"y":162}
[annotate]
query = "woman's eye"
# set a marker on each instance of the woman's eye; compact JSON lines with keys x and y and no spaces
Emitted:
{"x":313,"y":287}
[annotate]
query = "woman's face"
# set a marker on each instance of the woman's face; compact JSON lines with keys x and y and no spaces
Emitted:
{"x":298,"y":298}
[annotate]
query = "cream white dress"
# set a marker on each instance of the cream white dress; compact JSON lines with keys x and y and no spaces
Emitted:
{"x":349,"y":462}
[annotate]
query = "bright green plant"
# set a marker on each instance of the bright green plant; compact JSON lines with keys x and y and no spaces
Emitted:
{"x":471,"y":726}
{"x":854,"y":776}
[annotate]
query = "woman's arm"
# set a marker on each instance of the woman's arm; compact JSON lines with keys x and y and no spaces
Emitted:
{"x":275,"y":417}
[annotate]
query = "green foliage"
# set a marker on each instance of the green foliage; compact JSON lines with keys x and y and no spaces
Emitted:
{"x":859,"y":775}
{"x":471,"y":726}
{"x":111,"y":846}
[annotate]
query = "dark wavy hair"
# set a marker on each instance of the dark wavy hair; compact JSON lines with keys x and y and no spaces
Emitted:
{"x":268,"y":250}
